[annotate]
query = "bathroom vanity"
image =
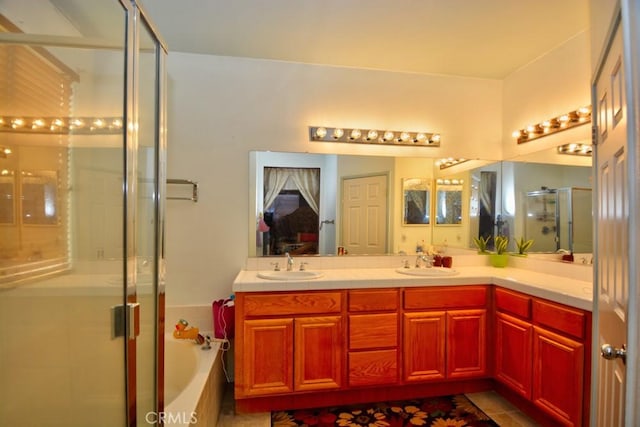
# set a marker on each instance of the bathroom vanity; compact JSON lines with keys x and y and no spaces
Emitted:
{"x":357,"y":335}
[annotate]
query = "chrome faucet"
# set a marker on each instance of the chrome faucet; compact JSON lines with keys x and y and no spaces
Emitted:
{"x":425,"y":260}
{"x":289,"y":261}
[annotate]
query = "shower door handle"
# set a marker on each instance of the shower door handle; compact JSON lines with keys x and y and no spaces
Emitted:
{"x":125,"y":320}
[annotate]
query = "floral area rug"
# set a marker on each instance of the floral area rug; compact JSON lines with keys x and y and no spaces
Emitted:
{"x":446,"y":411}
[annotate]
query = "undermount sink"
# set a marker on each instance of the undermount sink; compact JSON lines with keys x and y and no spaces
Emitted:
{"x":289,"y":275}
{"x":430,"y":272}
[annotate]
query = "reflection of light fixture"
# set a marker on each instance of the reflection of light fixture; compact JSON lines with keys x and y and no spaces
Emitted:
{"x":62,"y":125}
{"x":449,"y":162}
{"x":576,"y":149}
{"x":548,"y":127}
{"x":4,"y":152}
{"x":447,"y":181}
{"x":373,"y":136}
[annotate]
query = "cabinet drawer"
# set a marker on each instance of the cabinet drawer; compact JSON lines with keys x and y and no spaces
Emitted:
{"x":373,"y":367}
{"x":373,"y":300}
{"x":513,"y":303}
{"x":571,"y":321}
{"x":367,"y":331}
{"x":439,"y":297}
{"x":292,"y":303}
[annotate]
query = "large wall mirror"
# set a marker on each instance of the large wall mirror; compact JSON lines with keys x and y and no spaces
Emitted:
{"x":482,"y":198}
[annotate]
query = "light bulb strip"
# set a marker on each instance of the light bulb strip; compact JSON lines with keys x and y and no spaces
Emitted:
{"x":548,"y":127}
{"x":449,"y":162}
{"x":576,"y":149}
{"x":62,"y":125}
{"x":374,"y":136}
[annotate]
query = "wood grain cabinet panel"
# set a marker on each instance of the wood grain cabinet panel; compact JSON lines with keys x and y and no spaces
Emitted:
{"x":424,"y":346}
{"x":513,"y":340}
{"x":294,"y":303}
{"x":558,"y":376}
{"x":513,"y":303}
{"x":373,"y":300}
{"x":560,"y":318}
{"x":369,"y":331}
{"x":318,"y":353}
{"x":373,"y":367}
{"x":445,"y":297}
{"x":268,"y":356}
{"x":466,"y":343}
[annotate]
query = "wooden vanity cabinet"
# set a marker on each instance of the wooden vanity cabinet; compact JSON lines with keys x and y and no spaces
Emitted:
{"x":445,"y":333}
{"x":540,"y":354}
{"x":513,"y":341}
{"x":289,"y":342}
{"x":372,"y":358}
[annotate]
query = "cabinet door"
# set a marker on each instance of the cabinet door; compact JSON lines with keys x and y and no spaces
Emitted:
{"x":513,"y":353}
{"x":268,"y":356}
{"x":424,"y":346}
{"x":558,"y":376}
{"x":319,"y":353}
{"x":466,"y":342}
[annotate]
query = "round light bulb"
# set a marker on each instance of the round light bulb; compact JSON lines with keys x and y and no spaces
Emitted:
{"x":337,"y":133}
{"x":388,"y":135}
{"x":435,"y":137}
{"x":355,"y":134}
{"x":321,"y":133}
{"x":421,"y":137}
{"x":372,"y":134}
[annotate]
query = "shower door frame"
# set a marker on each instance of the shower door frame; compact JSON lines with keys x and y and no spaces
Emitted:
{"x":136,"y":19}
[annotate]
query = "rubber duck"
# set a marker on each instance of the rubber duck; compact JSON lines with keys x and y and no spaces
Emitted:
{"x":184,"y":332}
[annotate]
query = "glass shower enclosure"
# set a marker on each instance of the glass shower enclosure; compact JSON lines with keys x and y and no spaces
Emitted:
{"x":82,"y":178}
{"x":560,"y":219}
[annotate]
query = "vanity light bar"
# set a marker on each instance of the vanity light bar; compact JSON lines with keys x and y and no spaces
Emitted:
{"x":576,"y":149}
{"x":570,"y":120}
{"x":374,"y":136}
{"x":441,"y":181}
{"x":62,"y":125}
{"x":449,"y":162}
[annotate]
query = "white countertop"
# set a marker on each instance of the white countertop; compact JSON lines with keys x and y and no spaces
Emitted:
{"x":572,"y":292}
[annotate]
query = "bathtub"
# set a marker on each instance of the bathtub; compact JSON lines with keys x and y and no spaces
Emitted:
{"x":193,"y":382}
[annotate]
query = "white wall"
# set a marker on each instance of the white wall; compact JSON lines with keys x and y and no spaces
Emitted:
{"x":221,"y":108}
{"x":552,"y":85}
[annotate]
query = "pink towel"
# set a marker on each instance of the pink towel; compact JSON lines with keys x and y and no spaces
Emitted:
{"x":262,"y":226}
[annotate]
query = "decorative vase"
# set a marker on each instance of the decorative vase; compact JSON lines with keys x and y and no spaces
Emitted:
{"x":499,"y":260}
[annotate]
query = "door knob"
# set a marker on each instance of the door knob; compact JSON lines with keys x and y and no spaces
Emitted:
{"x":609,"y":352}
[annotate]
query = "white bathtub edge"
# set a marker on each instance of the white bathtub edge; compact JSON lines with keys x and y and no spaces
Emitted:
{"x":180,"y":409}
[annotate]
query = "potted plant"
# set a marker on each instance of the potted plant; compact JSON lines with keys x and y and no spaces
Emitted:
{"x":523,"y":246}
{"x":481,"y":244}
{"x":500,"y":257}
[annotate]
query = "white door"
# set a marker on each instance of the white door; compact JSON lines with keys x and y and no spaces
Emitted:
{"x":612,"y":210}
{"x":364,"y":214}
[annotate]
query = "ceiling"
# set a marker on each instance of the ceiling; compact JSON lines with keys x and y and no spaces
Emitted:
{"x":473,"y":38}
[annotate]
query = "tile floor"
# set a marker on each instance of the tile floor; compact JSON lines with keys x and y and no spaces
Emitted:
{"x":501,"y":411}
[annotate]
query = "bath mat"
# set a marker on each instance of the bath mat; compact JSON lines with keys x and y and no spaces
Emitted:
{"x":444,"y":411}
